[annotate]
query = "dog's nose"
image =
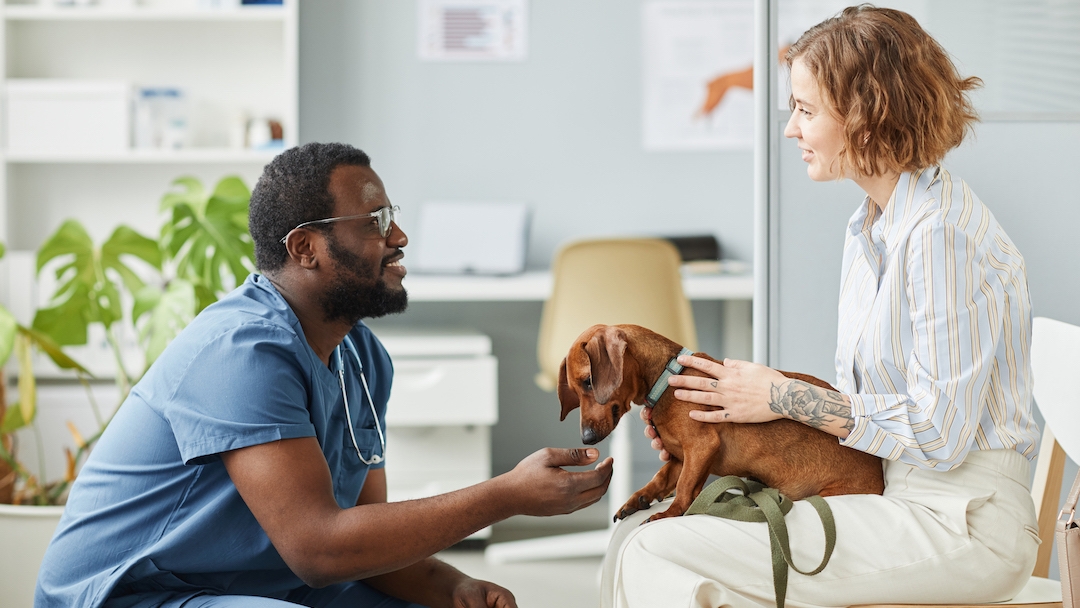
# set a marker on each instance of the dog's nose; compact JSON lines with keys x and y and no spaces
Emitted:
{"x":588,"y":436}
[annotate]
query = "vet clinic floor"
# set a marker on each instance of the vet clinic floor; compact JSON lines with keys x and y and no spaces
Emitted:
{"x":566,"y":583}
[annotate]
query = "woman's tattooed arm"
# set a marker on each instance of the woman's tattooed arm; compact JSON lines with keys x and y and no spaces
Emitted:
{"x":812,"y":405}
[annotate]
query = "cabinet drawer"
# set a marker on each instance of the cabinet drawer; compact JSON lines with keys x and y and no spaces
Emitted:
{"x":435,"y":452}
{"x":425,"y":461}
{"x":444,"y":391}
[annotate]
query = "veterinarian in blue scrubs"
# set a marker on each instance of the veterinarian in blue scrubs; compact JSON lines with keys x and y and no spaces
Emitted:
{"x":932,"y":360}
{"x":246,"y":468}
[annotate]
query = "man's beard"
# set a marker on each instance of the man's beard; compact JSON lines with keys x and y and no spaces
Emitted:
{"x":357,"y":294}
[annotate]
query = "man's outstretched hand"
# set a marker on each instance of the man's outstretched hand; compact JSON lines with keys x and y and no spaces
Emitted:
{"x":542,"y":487}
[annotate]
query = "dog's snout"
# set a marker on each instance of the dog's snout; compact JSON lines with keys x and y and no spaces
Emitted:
{"x":589,"y":436}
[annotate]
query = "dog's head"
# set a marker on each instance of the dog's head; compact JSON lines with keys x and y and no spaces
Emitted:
{"x":601,"y":378}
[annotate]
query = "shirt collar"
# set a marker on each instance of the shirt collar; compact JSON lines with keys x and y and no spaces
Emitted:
{"x":886,"y":228}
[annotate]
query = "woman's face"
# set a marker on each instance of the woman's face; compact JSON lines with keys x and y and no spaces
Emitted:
{"x":819,"y":135}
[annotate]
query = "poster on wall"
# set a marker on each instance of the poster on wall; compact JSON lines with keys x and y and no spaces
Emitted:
{"x":472,"y":30}
{"x":697,"y":75}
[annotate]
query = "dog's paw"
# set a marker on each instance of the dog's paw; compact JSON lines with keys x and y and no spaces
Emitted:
{"x":635,"y":504}
{"x":661,"y":515}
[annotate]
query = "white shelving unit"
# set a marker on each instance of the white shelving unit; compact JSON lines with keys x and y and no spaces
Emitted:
{"x":234,"y":61}
{"x":227,"y":62}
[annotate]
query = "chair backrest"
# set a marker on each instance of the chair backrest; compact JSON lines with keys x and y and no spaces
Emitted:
{"x":1055,"y":360}
{"x":612,"y":281}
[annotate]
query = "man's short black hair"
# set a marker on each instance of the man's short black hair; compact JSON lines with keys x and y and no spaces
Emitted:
{"x":294,"y":188}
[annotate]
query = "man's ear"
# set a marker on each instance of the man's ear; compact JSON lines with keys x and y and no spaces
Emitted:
{"x":568,"y":397}
{"x":606,"y":352}
{"x":300,"y":245}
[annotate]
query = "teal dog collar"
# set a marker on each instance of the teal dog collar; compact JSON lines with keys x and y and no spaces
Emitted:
{"x":671,"y":369}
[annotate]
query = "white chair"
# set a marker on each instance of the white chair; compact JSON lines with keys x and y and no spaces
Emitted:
{"x":610,"y":281}
{"x":1055,"y":361}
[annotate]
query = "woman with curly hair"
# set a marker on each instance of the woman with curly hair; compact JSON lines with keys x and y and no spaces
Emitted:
{"x":932,"y":360}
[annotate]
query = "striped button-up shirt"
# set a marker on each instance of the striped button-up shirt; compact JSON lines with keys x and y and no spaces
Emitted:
{"x":935,"y":327}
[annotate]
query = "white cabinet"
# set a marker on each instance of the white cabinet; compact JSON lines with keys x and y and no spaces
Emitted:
{"x":442,"y":406}
{"x":232,"y":65}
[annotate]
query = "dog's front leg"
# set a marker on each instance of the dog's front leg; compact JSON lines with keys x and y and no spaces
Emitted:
{"x":695,"y":471}
{"x":658,"y":488}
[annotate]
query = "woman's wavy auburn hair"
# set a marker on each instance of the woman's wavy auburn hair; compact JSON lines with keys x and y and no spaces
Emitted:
{"x":896,"y":92}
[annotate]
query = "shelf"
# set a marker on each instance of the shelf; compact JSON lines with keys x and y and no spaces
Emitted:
{"x":97,"y":13}
{"x":536,"y":286}
{"x":189,"y":155}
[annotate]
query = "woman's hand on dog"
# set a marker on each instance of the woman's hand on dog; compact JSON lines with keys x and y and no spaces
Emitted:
{"x":741,"y":389}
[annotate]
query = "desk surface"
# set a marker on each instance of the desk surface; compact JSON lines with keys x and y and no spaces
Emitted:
{"x":536,"y":286}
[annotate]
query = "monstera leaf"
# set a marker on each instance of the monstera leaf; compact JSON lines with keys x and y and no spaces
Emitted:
{"x":207,"y":234}
{"x":169,"y":312}
{"x":90,"y":279}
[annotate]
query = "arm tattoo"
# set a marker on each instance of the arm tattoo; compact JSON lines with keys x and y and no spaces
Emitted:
{"x":811,"y":405}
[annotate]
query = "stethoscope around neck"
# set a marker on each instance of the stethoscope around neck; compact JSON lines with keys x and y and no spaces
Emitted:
{"x":351,"y":347}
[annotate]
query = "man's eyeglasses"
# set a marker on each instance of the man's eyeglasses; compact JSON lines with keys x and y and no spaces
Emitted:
{"x":385,"y":217}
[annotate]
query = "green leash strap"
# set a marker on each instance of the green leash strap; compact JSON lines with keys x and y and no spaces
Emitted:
{"x":756,"y":503}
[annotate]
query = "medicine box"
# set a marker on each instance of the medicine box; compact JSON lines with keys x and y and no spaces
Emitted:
{"x":48,"y":116}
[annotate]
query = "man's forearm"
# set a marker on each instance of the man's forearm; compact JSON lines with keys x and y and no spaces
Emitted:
{"x":429,"y":582}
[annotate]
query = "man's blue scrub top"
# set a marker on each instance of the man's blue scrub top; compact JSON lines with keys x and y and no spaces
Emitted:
{"x":154,"y":509}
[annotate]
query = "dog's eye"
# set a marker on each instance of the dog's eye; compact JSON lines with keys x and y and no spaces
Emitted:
{"x":587,"y":384}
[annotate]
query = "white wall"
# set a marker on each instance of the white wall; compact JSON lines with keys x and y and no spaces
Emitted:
{"x":560,"y":131}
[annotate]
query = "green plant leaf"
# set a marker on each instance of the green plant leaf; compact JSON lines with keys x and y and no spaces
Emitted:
{"x":8,"y":329}
{"x":207,"y":235}
{"x":69,"y":239}
{"x":13,"y":420}
{"x":89,"y":290}
{"x":204,"y":297}
{"x":125,"y":241}
{"x":2,"y":250}
{"x":48,"y":346}
{"x":27,"y":383}
{"x":170,"y":311}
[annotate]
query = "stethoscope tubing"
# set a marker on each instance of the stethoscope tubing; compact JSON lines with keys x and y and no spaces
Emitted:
{"x":351,"y":347}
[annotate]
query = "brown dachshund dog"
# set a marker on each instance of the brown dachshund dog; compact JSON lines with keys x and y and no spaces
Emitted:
{"x":611,"y":366}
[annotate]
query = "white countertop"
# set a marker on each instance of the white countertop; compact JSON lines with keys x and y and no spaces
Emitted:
{"x":536,"y":286}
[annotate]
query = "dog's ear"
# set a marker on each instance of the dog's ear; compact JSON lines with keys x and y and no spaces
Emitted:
{"x":568,"y":397}
{"x":606,"y":351}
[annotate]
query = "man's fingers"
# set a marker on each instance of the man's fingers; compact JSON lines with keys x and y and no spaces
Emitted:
{"x":564,"y":457}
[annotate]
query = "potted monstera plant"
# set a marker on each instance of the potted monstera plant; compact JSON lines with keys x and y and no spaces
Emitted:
{"x":153,"y":286}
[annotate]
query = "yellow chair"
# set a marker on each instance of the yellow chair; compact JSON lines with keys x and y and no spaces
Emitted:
{"x":610,"y":281}
{"x":1055,"y":359}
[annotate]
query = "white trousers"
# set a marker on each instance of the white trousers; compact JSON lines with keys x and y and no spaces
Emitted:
{"x":966,"y":535}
